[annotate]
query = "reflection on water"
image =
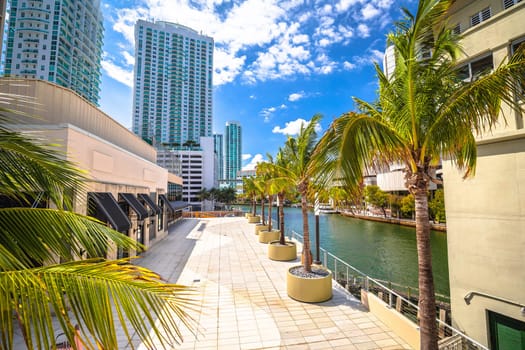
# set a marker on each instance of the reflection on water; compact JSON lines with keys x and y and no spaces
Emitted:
{"x":383,"y":251}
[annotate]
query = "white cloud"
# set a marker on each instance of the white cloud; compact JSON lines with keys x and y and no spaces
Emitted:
{"x":258,"y":158}
{"x":246,"y":156}
{"x":349,"y":65}
{"x":369,"y":11}
{"x":363,"y":30}
{"x":294,"y":127}
{"x":296,"y":96}
{"x":269,"y":111}
{"x":120,"y":74}
{"x":344,"y":5}
{"x":130,"y":59}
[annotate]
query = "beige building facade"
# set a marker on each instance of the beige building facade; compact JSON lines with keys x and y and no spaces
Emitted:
{"x":126,"y":189}
{"x":486,"y":213}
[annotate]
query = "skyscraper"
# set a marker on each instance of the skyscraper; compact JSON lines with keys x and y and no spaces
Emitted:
{"x":219,"y":151}
{"x":232,"y":151}
{"x":57,"y":40}
{"x":172,"y":99}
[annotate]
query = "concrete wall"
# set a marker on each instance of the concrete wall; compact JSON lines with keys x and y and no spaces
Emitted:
{"x":486,"y":235}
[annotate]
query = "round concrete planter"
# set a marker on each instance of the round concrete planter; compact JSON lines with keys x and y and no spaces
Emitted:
{"x":260,"y":227}
{"x":279,"y":252}
{"x":268,"y":236}
{"x":247,"y":215}
{"x":254,"y":219}
{"x":315,"y":289}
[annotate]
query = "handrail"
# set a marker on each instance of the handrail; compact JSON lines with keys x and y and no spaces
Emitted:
{"x":368,"y":280}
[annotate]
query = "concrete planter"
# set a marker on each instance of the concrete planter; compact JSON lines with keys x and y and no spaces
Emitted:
{"x":279,"y":252}
{"x":268,"y":236}
{"x":247,"y":215}
{"x":254,"y":219}
{"x":314,"y":289}
{"x":260,"y":227}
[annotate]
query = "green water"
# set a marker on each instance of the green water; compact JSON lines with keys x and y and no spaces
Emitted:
{"x":383,"y":251}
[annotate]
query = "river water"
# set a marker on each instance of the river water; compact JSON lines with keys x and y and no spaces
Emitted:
{"x":383,"y":251}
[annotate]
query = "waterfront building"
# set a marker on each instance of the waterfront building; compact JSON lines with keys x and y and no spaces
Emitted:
{"x":219,"y":151}
{"x":232,"y":152}
{"x":486,"y":213}
{"x":125,"y":187}
{"x":56,"y":40}
{"x":172,"y":100}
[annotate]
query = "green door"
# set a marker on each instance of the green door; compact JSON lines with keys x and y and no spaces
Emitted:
{"x":506,"y":333}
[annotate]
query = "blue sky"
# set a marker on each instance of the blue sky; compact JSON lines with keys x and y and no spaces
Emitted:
{"x":276,"y":63}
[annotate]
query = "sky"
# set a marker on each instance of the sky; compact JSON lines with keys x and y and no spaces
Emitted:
{"x":276,"y":63}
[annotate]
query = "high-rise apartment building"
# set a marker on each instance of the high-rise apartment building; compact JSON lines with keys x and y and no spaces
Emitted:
{"x":232,"y":150}
{"x":172,"y":99}
{"x":219,"y":151}
{"x":57,"y":40}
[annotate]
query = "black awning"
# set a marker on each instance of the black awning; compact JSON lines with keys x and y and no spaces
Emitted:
{"x":110,"y":210}
{"x":180,"y":205}
{"x":166,"y":202}
{"x":134,"y":203}
{"x":149,"y":202}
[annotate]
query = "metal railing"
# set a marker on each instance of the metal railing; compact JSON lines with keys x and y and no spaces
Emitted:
{"x":353,"y":280}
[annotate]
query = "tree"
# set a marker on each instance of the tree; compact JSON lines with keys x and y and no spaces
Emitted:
{"x":408,"y":206}
{"x":299,"y":171}
{"x":437,"y":206}
{"x":250,"y":189}
{"x":425,"y":110}
{"x":35,"y":286}
{"x":376,"y":197}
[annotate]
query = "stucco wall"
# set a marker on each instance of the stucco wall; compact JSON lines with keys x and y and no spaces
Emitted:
{"x":486,"y":235}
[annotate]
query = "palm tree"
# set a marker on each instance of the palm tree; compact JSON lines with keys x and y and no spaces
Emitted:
{"x":423,"y":112}
{"x":298,"y":170}
{"x":36,"y":286}
{"x":250,"y":190}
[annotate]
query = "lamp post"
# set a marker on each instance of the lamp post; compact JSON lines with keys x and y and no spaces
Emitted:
{"x":317,"y":212}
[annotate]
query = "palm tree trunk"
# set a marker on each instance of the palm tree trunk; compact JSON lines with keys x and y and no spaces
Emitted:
{"x":270,"y":212}
{"x":262,"y":210}
{"x":281,"y":217}
{"x":427,"y":301}
{"x":254,"y":203}
{"x":306,"y":254}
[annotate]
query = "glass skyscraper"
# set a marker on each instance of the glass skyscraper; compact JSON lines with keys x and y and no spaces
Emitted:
{"x":57,"y":40}
{"x":172,"y":99}
{"x":232,"y":150}
{"x":219,"y":151}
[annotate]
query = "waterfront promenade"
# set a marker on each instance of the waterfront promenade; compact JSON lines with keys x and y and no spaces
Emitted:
{"x":241,"y":294}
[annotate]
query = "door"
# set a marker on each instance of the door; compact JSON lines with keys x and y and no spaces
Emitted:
{"x":506,"y":333}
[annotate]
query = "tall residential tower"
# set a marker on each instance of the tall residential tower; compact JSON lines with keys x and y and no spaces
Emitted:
{"x":172,"y":99}
{"x":232,"y":151}
{"x":57,"y":40}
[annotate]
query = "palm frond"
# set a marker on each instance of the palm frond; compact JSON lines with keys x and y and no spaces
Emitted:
{"x":353,"y":142}
{"x":100,"y":296}
{"x":34,"y":236}
{"x":28,"y":166}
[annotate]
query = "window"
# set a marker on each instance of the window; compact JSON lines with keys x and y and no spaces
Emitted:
{"x":480,"y":16}
{"x":457,"y":29}
{"x":509,"y":3}
{"x":505,"y":332}
{"x":474,"y":69}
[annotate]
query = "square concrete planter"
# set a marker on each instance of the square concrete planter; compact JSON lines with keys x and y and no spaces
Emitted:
{"x":314,"y":287}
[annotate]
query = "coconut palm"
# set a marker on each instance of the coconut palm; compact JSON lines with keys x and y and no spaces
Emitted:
{"x":423,"y":112}
{"x":41,"y":275}
{"x":298,"y":171}
{"x":250,"y":190}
